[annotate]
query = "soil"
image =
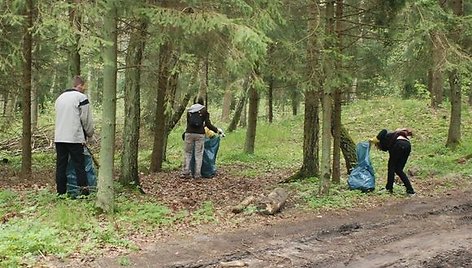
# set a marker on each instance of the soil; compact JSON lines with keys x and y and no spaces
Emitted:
{"x":413,"y":232}
{"x":431,"y":229}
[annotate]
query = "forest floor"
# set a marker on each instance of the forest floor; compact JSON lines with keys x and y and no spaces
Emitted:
{"x":414,"y":232}
{"x":431,"y":229}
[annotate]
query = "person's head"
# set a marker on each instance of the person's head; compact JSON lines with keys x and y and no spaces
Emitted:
{"x":382,"y":134}
{"x":78,"y":83}
{"x":199,"y":100}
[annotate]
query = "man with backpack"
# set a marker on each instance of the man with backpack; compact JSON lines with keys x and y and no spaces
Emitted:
{"x":194,"y":137}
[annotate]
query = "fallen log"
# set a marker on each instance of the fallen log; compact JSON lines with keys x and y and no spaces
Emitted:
{"x":241,"y":206}
{"x":274,"y":202}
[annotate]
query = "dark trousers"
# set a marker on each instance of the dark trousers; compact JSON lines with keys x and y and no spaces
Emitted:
{"x":399,"y":154}
{"x":76,"y":153}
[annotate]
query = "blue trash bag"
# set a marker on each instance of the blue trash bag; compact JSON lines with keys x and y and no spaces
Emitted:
{"x":72,"y":188}
{"x":362,"y":177}
{"x":210,"y":152}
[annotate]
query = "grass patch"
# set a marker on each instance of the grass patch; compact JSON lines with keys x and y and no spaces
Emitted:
{"x":37,"y":224}
{"x":205,"y":214}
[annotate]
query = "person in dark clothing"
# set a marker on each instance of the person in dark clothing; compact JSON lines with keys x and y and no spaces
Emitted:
{"x":197,"y":119}
{"x":398,"y":145}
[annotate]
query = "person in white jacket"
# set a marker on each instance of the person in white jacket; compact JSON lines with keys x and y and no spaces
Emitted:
{"x":73,"y":126}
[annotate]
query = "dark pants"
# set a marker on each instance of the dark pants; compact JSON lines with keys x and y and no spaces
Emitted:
{"x":399,"y":154}
{"x":76,"y":153}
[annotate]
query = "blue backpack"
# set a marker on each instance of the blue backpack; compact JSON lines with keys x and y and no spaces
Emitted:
{"x":362,"y":177}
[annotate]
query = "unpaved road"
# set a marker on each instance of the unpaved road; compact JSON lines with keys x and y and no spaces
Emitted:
{"x":415,"y":232}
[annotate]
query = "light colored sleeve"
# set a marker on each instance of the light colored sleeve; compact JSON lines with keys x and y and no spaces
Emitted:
{"x":86,"y":117}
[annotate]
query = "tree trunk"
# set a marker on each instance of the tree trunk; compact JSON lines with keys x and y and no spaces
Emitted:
{"x":336,"y":132}
{"x":454,"y":134}
{"x":132,"y":98}
{"x":239,"y":109}
{"x":91,"y":86}
{"x":157,"y":156}
{"x":178,"y":112}
{"x":328,"y":66}
{"x":3,"y":100}
{"x":348,"y":147}
{"x":75,"y":20}
{"x":171,"y":96}
{"x":310,"y":165}
{"x":227,"y":100}
{"x":325,"y":169}
{"x":96,"y":94}
{"x":270,"y":93}
{"x":203,"y":91}
{"x":352,"y":94}
{"x":469,"y":94}
{"x":295,"y":101}
{"x":107,"y":144}
{"x":10,"y":109}
{"x":436,"y":73}
{"x":243,"y":117}
{"x":26,"y":105}
{"x":270,"y":100}
{"x":336,"y":118}
{"x":34,"y":107}
{"x":252,"y":120}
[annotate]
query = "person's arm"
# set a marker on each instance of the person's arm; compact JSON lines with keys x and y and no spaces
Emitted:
{"x":208,"y":123}
{"x":86,"y":117}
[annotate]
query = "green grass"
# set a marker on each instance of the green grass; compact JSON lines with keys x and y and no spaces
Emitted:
{"x":37,"y":223}
{"x":205,"y":214}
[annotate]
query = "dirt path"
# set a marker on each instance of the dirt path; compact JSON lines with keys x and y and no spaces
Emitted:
{"x":416,"y":232}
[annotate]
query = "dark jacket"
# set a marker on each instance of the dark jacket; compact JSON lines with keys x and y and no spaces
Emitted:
{"x":388,"y":139}
{"x":205,"y":118}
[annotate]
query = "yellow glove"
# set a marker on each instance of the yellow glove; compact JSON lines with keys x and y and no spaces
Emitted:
{"x":209,"y":133}
{"x":374,"y":140}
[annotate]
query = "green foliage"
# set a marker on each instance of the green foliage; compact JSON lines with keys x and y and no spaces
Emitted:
{"x":205,"y":214}
{"x":38,"y":223}
{"x":8,"y":203}
{"x":22,"y":241}
{"x":141,"y":213}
